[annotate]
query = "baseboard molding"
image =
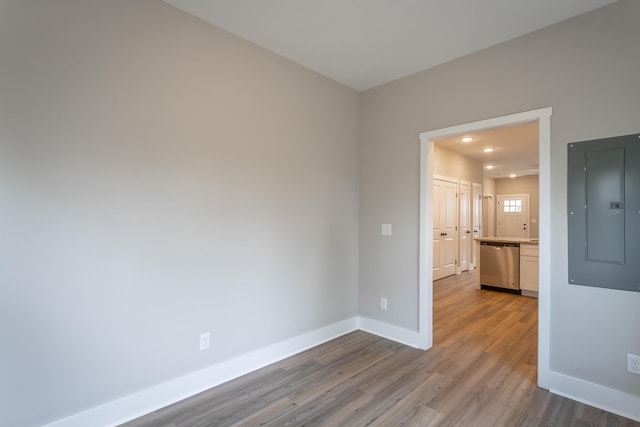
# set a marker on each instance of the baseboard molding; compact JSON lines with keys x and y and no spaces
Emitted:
{"x":394,"y":333}
{"x":154,"y":398}
{"x":595,"y":395}
{"x":151,"y":399}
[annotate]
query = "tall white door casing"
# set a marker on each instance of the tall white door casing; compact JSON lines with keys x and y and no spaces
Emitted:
{"x":476,"y":222}
{"x":464,"y":226}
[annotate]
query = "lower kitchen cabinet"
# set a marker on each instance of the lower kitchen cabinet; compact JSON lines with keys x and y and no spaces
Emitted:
{"x":529,"y":268}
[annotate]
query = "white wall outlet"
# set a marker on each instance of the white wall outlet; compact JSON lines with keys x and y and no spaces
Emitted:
{"x":633,"y":364}
{"x":205,"y":341}
{"x":383,"y":303}
{"x":385,"y":229}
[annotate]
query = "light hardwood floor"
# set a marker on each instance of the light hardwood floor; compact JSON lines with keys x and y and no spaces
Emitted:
{"x":481,"y":371}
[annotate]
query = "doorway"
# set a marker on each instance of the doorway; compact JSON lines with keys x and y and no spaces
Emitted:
{"x":425,"y":326}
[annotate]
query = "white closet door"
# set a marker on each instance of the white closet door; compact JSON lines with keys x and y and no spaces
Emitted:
{"x":444,"y":227}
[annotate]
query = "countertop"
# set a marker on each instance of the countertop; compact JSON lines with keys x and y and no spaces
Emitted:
{"x":521,"y":240}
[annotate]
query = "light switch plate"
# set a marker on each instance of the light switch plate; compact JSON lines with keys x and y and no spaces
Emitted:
{"x":385,"y":230}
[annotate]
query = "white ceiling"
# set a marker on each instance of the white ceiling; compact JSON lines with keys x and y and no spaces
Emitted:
{"x":515,"y":149}
{"x":365,"y":43}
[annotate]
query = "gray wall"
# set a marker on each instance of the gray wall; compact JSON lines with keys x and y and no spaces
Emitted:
{"x":160,"y":178}
{"x":587,"y":70}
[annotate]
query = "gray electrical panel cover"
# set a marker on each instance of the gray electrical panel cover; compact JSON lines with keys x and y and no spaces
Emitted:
{"x":603,"y":201}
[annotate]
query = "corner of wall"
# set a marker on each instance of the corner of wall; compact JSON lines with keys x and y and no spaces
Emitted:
{"x":146,"y":401}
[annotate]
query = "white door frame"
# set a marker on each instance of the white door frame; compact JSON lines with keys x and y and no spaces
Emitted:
{"x":425,"y":291}
{"x":469,"y":237}
{"x":476,"y":213}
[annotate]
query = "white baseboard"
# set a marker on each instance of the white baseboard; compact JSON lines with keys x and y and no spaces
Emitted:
{"x":595,"y":395}
{"x":151,"y":399}
{"x":154,"y":398}
{"x":395,"y":333}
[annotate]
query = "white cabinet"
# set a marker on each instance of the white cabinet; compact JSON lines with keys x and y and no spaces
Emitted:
{"x":529,"y":268}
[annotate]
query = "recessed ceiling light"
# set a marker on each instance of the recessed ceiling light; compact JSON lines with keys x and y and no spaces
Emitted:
{"x":467,"y":139}
{"x":488,"y":150}
{"x":489,"y":167}
{"x":513,"y":175}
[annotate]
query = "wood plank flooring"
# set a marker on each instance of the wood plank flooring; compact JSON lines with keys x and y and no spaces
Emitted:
{"x":481,"y":371}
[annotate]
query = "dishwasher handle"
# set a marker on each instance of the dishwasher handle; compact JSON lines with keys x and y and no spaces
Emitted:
{"x":501,"y":244}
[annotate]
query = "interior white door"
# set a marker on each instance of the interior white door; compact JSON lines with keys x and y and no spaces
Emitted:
{"x":444,"y":227}
{"x":464,"y":226}
{"x":512,"y":215}
{"x":476,"y":222}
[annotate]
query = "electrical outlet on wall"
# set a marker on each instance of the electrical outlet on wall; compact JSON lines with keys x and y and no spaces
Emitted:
{"x":383,"y":303}
{"x":205,"y":341}
{"x":633,"y":364}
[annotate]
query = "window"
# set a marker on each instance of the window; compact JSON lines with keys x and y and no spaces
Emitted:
{"x":512,"y":206}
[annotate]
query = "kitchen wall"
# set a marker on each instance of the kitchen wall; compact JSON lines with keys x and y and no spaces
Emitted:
{"x":523,"y":185}
{"x":160,"y":178}
{"x":455,"y":165}
{"x":488,"y":185}
{"x":586,"y":70}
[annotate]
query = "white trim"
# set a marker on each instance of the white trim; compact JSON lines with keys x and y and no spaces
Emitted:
{"x":596,"y":395}
{"x":425,"y":292}
{"x":455,"y":181}
{"x":476,"y":192}
{"x":136,"y":405}
{"x":469,"y":238}
{"x":425,"y":278}
{"x":544,"y":245}
{"x":392,"y":332}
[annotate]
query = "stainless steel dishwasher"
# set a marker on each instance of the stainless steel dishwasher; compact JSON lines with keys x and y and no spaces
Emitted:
{"x":500,"y":266}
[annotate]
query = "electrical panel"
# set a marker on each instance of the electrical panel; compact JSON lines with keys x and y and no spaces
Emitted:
{"x":603,"y":202}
